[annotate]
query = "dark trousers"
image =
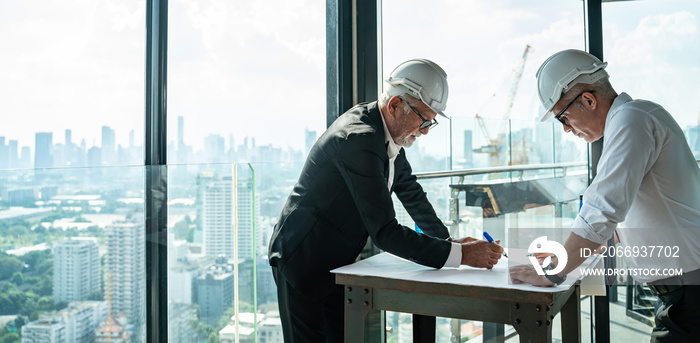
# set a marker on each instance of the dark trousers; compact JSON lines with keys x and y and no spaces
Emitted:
{"x":306,"y":319}
{"x":677,"y":316}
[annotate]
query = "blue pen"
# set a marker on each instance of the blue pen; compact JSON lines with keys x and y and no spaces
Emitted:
{"x":490,"y":240}
{"x":580,"y":202}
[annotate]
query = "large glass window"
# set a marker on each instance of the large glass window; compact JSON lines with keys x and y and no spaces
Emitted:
{"x":71,"y":222}
{"x":246,"y":80}
{"x":71,"y":91}
{"x":491,"y":51}
{"x":653,"y":51}
{"x":246,"y":83}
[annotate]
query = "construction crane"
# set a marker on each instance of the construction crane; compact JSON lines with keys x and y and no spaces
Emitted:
{"x":494,"y":146}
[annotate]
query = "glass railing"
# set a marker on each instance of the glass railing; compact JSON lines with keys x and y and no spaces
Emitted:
{"x":72,"y":244}
{"x":72,"y":241}
{"x":72,"y":252}
{"x":220,"y":220}
{"x":455,"y":196}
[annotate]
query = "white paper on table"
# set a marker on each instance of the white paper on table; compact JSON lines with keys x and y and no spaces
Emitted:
{"x":390,"y":266}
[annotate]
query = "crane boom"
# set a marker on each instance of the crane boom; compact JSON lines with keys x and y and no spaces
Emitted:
{"x":494,"y":145}
{"x":516,"y":82}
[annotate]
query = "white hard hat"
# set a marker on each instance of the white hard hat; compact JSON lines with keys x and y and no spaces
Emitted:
{"x":562,"y":71}
{"x":424,"y":80}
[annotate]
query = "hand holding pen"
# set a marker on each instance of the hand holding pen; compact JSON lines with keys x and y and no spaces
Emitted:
{"x":478,"y":253}
{"x":490,"y":240}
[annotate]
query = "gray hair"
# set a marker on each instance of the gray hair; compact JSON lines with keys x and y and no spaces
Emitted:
{"x":602,"y":87}
{"x":407,"y":97}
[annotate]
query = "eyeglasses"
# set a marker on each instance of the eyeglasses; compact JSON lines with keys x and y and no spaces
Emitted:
{"x":558,"y":116}
{"x":426,"y":124}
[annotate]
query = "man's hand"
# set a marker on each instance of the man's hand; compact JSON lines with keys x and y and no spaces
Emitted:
{"x":481,"y":254}
{"x":542,"y":257}
{"x":526,"y":273}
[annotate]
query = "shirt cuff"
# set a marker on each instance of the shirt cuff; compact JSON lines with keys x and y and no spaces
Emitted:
{"x":454,"y":259}
{"x":585,"y":230}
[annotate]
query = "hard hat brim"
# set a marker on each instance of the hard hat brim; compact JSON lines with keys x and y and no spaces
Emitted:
{"x":546,"y":116}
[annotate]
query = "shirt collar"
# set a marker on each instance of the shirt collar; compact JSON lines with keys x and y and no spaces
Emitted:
{"x":620,"y":100}
{"x":391,"y":148}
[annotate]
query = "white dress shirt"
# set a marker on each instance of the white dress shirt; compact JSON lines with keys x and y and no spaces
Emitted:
{"x":648,"y":182}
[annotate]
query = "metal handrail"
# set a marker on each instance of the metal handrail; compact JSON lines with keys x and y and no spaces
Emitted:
{"x":481,"y":171}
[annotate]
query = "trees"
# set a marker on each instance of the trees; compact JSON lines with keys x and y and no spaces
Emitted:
{"x":12,"y":337}
{"x":9,"y":265}
{"x":17,"y":278}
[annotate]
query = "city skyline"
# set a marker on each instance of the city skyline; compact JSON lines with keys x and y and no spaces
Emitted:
{"x":52,"y":154}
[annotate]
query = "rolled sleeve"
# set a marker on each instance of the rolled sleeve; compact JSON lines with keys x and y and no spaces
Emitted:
{"x":585,"y":230}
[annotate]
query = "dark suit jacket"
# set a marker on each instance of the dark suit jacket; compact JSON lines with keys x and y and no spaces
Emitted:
{"x":342,"y":197}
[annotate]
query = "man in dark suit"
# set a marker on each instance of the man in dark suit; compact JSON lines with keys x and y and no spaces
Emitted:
{"x":343,"y":196}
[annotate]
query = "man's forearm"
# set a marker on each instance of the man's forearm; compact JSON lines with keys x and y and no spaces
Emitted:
{"x":574,"y":245}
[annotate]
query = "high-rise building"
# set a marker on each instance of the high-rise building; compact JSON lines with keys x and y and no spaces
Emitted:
{"x":182,"y":270}
{"x":214,"y":291}
{"x":124,"y":272}
{"x":94,"y":157}
{"x":4,"y":154}
{"x":70,"y":150}
{"x":76,"y":323}
{"x":46,"y":330}
{"x":218,"y":218}
{"x":180,"y":132}
{"x":109,"y":147}
{"x":181,"y":147}
{"x":43,"y":145}
{"x":25,"y":157}
{"x":248,"y":210}
{"x":270,"y":328}
{"x":180,"y":328}
{"x":468,"y":149}
{"x":309,"y":140}
{"x":214,"y":149}
{"x":59,"y":159}
{"x":76,"y":270}
{"x":203,"y":179}
{"x":12,"y":156}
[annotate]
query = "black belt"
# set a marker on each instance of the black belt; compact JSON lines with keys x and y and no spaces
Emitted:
{"x":664,"y":289}
{"x":674,"y":283}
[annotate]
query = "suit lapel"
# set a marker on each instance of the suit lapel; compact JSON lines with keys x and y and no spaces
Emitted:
{"x":375,"y":115}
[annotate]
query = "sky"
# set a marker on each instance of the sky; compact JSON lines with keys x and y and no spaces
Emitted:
{"x":257,"y":68}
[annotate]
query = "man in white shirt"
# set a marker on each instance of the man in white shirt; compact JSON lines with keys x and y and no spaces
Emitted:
{"x":647,"y":188}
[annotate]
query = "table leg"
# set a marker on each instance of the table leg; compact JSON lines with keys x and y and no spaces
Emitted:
{"x":423,"y":329}
{"x":532,"y":322}
{"x":494,"y":333}
{"x":455,"y":330}
{"x":570,"y":318}
{"x":358,"y":303}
